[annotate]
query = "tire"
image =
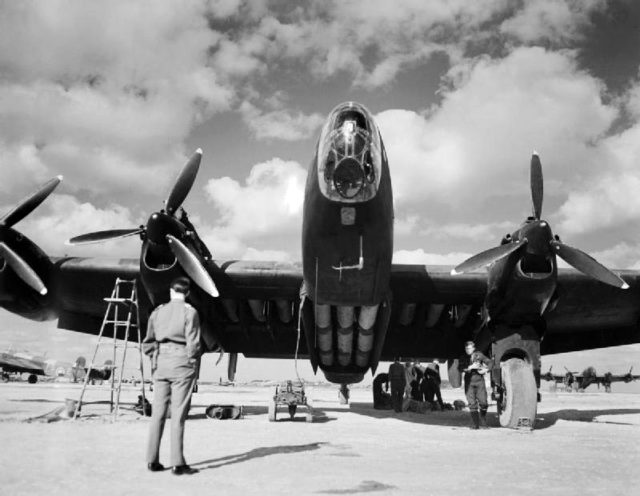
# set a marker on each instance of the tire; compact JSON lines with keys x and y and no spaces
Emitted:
{"x":272,"y":411}
{"x":292,"y":411}
{"x":520,"y":396}
{"x":32,"y":379}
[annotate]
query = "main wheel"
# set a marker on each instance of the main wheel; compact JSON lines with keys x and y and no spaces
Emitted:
{"x":272,"y":411}
{"x":32,"y":379}
{"x":519,"y":394}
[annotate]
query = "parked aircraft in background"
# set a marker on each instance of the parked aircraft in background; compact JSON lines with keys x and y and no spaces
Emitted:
{"x":574,"y":381}
{"x":346,"y":306}
{"x":36,"y":365}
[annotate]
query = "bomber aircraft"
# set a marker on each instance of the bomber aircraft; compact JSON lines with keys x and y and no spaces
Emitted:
{"x":345,"y":306}
{"x":589,"y":376}
{"x":34,"y":365}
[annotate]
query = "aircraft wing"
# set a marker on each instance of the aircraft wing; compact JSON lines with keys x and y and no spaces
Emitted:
{"x":257,"y":311}
{"x":10,"y":363}
{"x":623,"y":378}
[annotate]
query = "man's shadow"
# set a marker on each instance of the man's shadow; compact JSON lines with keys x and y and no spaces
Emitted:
{"x":256,"y":453}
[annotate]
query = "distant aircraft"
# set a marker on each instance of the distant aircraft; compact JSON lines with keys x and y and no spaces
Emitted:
{"x":345,"y":306}
{"x":581,"y":381}
{"x":34,"y":365}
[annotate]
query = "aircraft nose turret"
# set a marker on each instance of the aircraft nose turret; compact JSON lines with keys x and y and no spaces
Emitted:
{"x":349,"y":155}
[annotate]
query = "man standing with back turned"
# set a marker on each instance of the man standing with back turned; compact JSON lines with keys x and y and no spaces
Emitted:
{"x":173,"y":344}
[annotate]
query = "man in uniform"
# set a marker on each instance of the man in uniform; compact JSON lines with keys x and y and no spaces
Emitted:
{"x":475,"y":365}
{"x":381,"y":396}
{"x":430,"y":385}
{"x":398,"y":380}
{"x":173,"y":344}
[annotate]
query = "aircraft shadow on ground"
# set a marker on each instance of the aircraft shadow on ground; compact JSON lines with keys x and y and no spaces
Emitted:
{"x":256,"y":453}
{"x":461,"y":418}
{"x":448,"y":418}
{"x":549,"y":419}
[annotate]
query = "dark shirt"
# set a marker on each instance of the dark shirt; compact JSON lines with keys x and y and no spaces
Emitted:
{"x":379,"y":381}
{"x":475,"y":357}
{"x":397,"y":374}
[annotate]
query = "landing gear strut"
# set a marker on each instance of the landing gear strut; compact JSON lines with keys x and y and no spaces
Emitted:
{"x":343,"y":394}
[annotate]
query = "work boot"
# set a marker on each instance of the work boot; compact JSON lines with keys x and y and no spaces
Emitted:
{"x":483,"y":419}
{"x":475,"y":419}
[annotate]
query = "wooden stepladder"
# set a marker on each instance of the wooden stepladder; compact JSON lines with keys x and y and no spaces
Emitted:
{"x":122,"y":317}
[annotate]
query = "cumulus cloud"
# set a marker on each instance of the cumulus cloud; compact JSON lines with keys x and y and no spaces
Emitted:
{"x":371,"y":44}
{"x":62,"y":216}
{"x":279,"y":124}
{"x":608,"y":197}
{"x":492,"y":116}
{"x":268,"y":204}
{"x":620,"y":256}
{"x":104,"y":91}
{"x":555,"y":21}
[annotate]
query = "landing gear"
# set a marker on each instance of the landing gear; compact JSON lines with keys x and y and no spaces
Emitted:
{"x":32,"y":379}
{"x":343,"y":394}
{"x":517,"y":404}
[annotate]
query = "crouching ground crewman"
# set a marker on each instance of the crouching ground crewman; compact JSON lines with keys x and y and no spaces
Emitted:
{"x":173,"y":343}
{"x":475,"y":365}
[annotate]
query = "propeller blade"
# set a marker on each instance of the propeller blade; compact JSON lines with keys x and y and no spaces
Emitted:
{"x":232,"y":367}
{"x":100,"y":236}
{"x":192,"y":266}
{"x":22,"y":269}
{"x":488,"y":257}
{"x":587,"y":265}
{"x":183,"y":183}
{"x":537,"y":185}
{"x":27,"y":205}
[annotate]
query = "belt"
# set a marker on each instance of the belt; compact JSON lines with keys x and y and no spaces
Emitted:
{"x":171,"y":345}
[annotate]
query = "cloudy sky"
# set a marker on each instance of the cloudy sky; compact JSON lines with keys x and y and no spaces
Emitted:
{"x":116,"y":95}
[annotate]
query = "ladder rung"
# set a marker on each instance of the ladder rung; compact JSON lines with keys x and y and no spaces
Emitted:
{"x":127,"y":301}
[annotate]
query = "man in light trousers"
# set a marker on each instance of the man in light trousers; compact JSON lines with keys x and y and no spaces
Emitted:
{"x":173,"y":344}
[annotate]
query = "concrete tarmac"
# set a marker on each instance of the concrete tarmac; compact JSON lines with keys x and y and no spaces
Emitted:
{"x":584,"y":443}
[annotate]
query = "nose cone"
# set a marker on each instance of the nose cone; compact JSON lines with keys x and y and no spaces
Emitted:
{"x":349,"y":155}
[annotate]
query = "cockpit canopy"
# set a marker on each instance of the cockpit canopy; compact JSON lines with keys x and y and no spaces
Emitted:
{"x":349,"y":155}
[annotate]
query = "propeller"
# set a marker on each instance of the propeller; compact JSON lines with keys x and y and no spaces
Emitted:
{"x":184,"y":182}
{"x":541,"y":241}
{"x":101,"y":236}
{"x":29,"y":204}
{"x":22,"y":269}
{"x":163,"y":227}
{"x":192,"y":266}
{"x":488,"y":257}
{"x":177,"y":195}
{"x":537,"y":185}
{"x":587,"y":265}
